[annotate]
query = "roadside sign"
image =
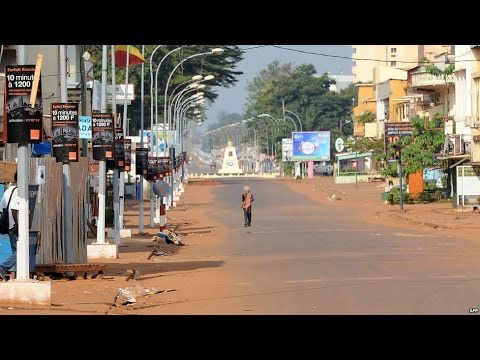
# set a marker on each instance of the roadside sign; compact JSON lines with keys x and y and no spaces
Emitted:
{"x":85,"y":126}
{"x":339,"y":144}
{"x":65,"y":132}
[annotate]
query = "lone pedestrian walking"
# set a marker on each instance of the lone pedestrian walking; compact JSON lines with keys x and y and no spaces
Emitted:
{"x":10,"y":202}
{"x":247,"y":199}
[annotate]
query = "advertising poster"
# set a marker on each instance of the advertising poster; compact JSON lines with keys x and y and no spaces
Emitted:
{"x":103,"y":136}
{"x":311,"y":145}
{"x":156,"y":140}
{"x":287,"y":151}
{"x":23,"y":124}
{"x":119,"y":150}
{"x":165,"y":165}
{"x":85,"y":127}
{"x":127,"y":147}
{"x":65,"y":132}
{"x":152,"y":173}
{"x":141,"y":161}
{"x":395,"y":131}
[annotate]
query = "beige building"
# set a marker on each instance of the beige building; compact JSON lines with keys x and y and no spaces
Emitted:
{"x":402,"y":57}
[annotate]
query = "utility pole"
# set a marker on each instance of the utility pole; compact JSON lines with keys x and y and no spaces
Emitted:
{"x":83,"y":86}
{"x":125,"y":131}
{"x":356,"y":168}
{"x":102,"y":167}
{"x":23,"y":170}
{"x":116,"y":203}
{"x":398,"y":157}
{"x":142,"y":119}
{"x":401,"y":185}
{"x":67,"y":183}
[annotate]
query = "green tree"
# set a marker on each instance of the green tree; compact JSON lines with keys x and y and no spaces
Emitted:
{"x":306,"y":94}
{"x":366,"y":117}
{"x":260,"y":88}
{"x":274,"y":71}
{"x":222,"y":67}
{"x":418,"y":150}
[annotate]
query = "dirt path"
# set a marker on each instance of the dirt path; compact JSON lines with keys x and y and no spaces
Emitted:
{"x":188,"y":272}
{"x":190,"y":276}
{"x":365,"y":201}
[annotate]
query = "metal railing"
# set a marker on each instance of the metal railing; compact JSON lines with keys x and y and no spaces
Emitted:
{"x":425,"y":79}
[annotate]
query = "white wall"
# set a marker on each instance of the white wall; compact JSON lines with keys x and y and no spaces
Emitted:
{"x":380,"y":110}
{"x":463,"y":87}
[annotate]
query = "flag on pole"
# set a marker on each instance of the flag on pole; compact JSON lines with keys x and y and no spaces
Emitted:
{"x":135,"y":57}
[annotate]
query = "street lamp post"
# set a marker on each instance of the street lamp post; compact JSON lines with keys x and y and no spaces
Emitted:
{"x":255,"y":141}
{"x":293,"y":121}
{"x":301,"y":129}
{"x":156,"y":94}
{"x":353,"y":107}
{"x":142,"y":121}
{"x":216,"y":51}
{"x":151,"y":132}
{"x":298,"y":118}
{"x":152,"y":128}
{"x":356,"y":167}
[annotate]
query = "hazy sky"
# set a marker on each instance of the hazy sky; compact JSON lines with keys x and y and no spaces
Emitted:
{"x":233,"y":99}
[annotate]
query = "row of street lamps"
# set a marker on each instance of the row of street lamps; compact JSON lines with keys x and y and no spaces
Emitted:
{"x":174,"y":113}
{"x":247,"y":124}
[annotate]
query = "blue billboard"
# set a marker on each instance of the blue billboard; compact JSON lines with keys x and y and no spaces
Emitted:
{"x":311,"y":145}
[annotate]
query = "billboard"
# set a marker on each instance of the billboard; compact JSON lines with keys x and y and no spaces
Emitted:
{"x":395,"y":131}
{"x":311,"y":145}
{"x":120,"y":92}
{"x":103,"y":136}
{"x":119,"y":150}
{"x":152,"y":171}
{"x":127,"y":146}
{"x":158,"y":144}
{"x":287,"y":149}
{"x":85,"y":127}
{"x":65,"y":132}
{"x":141,"y":161}
{"x":23,"y":124}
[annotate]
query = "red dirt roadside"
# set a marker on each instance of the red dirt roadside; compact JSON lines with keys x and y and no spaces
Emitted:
{"x":194,"y":275}
{"x":365,"y":200}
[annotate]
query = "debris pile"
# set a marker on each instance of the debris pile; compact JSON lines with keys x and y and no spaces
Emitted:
{"x":129,"y":295}
{"x":169,"y":237}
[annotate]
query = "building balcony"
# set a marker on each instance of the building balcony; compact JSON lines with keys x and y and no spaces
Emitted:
{"x":473,"y":121}
{"x":423,"y":79}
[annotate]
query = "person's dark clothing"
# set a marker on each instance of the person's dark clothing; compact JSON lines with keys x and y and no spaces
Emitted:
{"x":247,"y":199}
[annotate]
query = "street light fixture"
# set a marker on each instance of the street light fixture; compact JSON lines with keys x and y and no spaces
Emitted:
{"x":156,"y":95}
{"x":298,"y":118}
{"x":215,"y":52}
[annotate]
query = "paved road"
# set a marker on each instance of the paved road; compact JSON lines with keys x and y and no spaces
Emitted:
{"x":196,"y":166}
{"x":301,"y":257}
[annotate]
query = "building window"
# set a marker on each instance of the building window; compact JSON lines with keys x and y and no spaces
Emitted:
{"x":393,"y":63}
{"x":393,"y":50}
{"x":354,"y":50}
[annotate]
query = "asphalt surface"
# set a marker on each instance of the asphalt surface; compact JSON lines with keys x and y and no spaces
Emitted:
{"x":301,"y":257}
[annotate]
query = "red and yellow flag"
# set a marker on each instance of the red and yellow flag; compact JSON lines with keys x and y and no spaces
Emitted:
{"x":135,"y":57}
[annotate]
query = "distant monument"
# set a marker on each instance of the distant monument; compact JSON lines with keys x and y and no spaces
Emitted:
{"x":230,"y":161}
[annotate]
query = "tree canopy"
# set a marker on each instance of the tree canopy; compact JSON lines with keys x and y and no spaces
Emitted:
{"x":303,"y":92}
{"x":223,"y":68}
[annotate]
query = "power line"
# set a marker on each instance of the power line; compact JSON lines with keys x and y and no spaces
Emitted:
{"x":355,"y":59}
{"x":256,"y":47}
